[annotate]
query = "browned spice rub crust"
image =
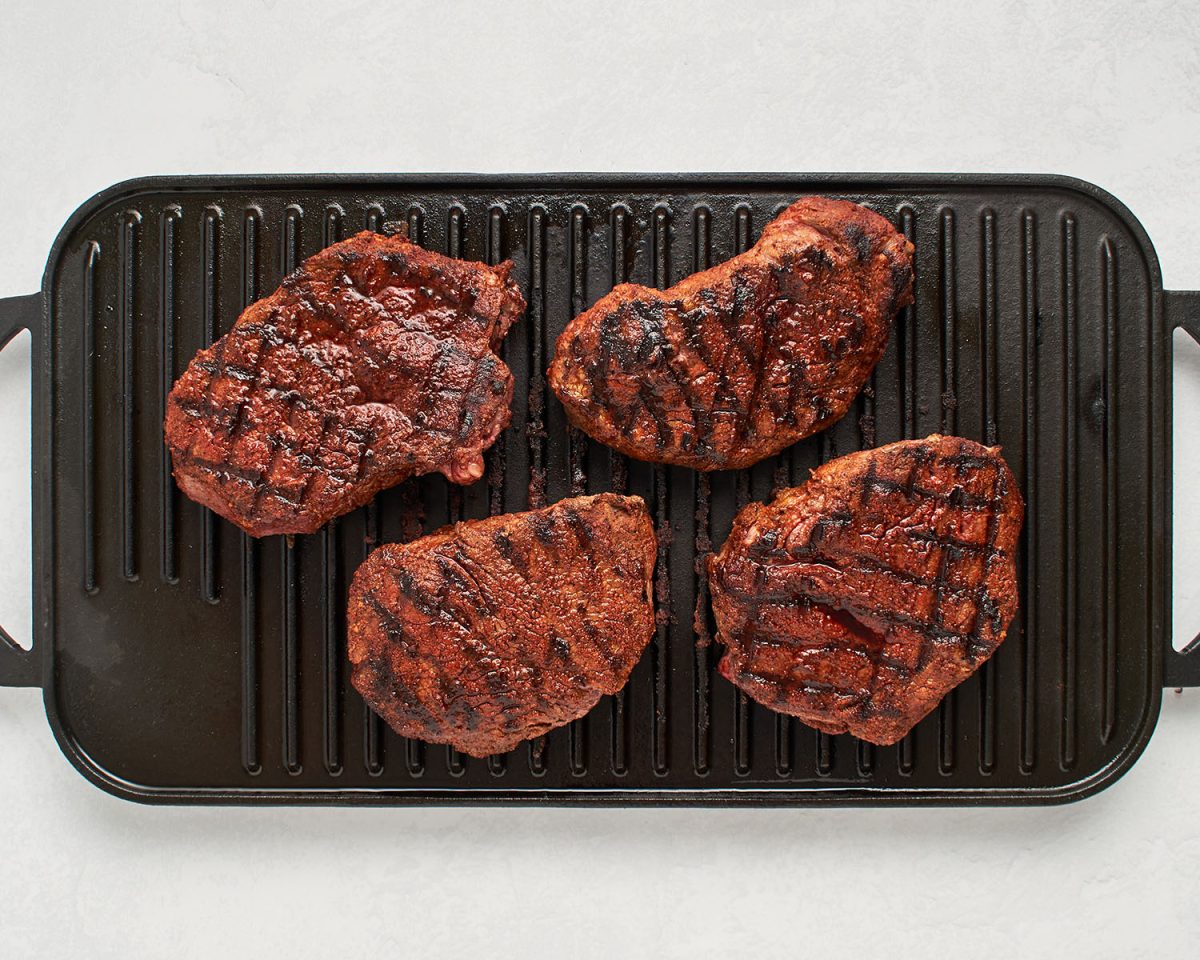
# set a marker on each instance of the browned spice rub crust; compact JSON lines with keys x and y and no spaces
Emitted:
{"x":735,"y":363}
{"x":373,"y":362}
{"x":490,"y":632}
{"x":858,"y":600}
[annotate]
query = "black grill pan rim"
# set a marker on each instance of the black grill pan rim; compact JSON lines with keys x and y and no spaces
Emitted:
{"x":557,"y":180}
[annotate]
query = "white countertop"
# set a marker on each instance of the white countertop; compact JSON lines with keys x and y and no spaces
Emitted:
{"x":1106,"y":91}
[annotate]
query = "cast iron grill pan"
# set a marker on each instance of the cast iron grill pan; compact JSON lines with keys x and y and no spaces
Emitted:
{"x":184,"y":661}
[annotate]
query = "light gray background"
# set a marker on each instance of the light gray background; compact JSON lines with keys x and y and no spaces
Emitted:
{"x":88,"y":95}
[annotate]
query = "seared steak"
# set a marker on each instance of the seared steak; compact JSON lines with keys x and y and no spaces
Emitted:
{"x":374,"y":362}
{"x":494,"y":631}
{"x":857,"y":601}
{"x":735,"y":363}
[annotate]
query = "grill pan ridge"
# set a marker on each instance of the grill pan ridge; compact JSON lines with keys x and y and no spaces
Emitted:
{"x":182,"y":661}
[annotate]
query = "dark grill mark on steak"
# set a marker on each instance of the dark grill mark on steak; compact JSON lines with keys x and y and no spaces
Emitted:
{"x":498,"y":630}
{"x":859,"y":241}
{"x":602,"y":648}
{"x":373,"y":362}
{"x":737,"y":362}
{"x":861,"y":598}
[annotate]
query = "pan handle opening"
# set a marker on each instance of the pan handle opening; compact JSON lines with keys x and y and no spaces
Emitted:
{"x":18,"y":667}
{"x":1181,"y":668}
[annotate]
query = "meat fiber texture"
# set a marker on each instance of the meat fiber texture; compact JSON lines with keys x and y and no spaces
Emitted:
{"x":490,"y":632}
{"x":858,"y":600}
{"x":374,"y":362}
{"x":736,"y":363}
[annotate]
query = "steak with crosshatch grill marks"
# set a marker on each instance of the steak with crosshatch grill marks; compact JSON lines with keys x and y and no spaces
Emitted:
{"x":858,"y":600}
{"x":737,"y":362}
{"x":490,"y":632}
{"x":373,"y":362}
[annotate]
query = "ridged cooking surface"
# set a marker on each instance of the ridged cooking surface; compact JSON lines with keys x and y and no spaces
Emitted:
{"x":190,"y":656}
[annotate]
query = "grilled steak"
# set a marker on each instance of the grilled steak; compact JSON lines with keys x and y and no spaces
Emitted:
{"x":735,"y":363}
{"x":494,"y":631}
{"x":857,"y":601}
{"x":374,"y":362}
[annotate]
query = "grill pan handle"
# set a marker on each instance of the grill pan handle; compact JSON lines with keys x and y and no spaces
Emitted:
{"x":1181,"y":668}
{"x":18,"y":667}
